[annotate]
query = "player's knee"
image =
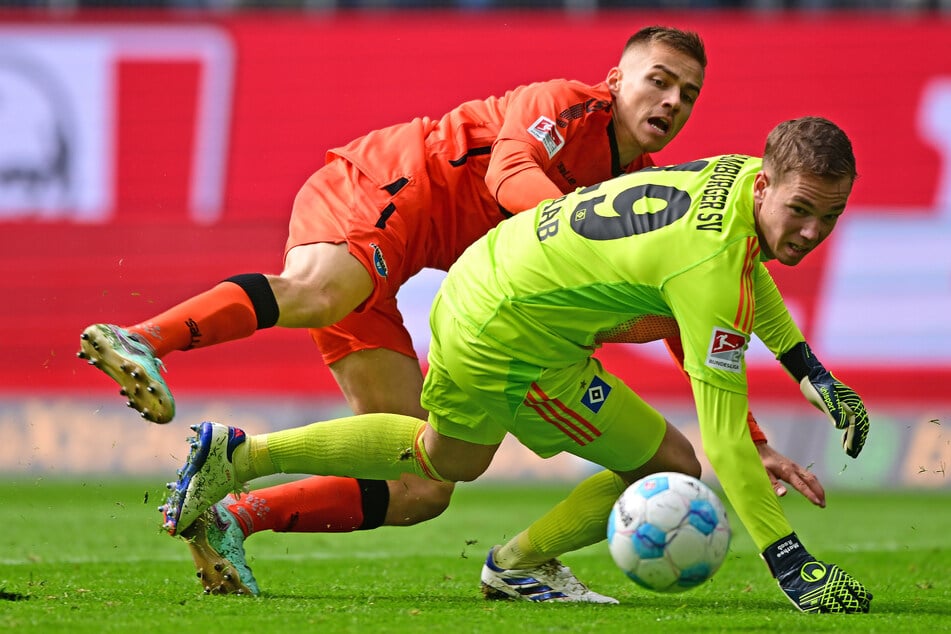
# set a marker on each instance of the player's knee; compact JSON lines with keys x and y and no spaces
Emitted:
{"x":418,"y":501}
{"x":691,"y":465}
{"x":433,"y":499}
{"x":685,"y":459}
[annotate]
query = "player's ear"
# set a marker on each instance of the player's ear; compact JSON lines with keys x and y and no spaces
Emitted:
{"x":614,"y":80}
{"x":760,"y":183}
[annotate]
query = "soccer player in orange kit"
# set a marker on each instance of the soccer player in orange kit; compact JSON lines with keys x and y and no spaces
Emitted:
{"x":384,"y":207}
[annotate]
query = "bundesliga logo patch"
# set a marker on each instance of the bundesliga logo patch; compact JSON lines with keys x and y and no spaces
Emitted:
{"x":726,"y":350}
{"x":545,"y":130}
{"x":596,"y":395}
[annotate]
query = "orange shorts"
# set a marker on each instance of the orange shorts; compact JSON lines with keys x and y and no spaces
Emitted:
{"x":339,"y":204}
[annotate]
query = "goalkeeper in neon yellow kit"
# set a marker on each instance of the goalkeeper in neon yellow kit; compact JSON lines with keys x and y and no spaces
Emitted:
{"x":515,"y":326}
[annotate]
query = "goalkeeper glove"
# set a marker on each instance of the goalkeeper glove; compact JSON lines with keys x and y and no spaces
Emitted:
{"x":840,"y":402}
{"x":813,"y":585}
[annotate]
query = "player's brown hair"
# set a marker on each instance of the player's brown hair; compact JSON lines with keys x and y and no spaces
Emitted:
{"x":686,"y":42}
{"x":811,"y":145}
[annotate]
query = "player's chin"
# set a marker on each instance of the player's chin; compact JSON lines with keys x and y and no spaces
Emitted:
{"x":791,"y":256}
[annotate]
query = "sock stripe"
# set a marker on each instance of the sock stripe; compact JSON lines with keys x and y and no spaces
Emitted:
{"x":262,"y":297}
{"x":422,"y":458}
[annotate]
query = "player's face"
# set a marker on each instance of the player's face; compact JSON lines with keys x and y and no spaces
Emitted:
{"x":796,"y":213}
{"x":654,"y":88}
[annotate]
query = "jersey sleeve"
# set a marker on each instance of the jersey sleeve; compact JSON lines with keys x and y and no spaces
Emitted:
{"x":773,"y":325}
{"x":737,"y":464}
{"x":527,"y":144}
{"x":714,"y":305}
{"x":676,"y":349}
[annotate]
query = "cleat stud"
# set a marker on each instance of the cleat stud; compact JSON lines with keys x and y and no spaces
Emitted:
{"x":218,"y":567}
{"x":129,"y":404}
{"x":95,"y":345}
{"x":92,"y":362}
{"x":84,"y":337}
{"x":199,"y":574}
{"x":226,"y":576}
{"x":194,"y":427}
{"x":207,"y":591}
{"x":81,"y":354}
{"x":122,"y":392}
{"x":150,"y":389}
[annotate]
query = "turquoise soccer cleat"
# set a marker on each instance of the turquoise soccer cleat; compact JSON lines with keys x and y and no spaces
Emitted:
{"x":208,"y":475}
{"x":216,"y":543}
{"x":132,"y":364}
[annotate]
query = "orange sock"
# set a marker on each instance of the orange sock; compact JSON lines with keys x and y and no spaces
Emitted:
{"x":320,"y":504}
{"x":223,"y":313}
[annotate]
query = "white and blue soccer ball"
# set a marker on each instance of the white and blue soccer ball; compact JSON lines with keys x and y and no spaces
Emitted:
{"x":668,"y":532}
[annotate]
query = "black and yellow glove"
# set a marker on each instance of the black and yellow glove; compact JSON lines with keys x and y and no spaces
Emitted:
{"x":840,"y":402}
{"x":813,"y":585}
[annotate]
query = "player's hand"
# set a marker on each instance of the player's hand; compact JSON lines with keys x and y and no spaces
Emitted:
{"x":781,"y":469}
{"x":840,"y":402}
{"x":813,"y":585}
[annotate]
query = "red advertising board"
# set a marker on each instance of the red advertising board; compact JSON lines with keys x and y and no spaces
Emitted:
{"x":146,"y":158}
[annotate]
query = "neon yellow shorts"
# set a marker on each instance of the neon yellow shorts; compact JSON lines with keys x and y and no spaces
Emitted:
{"x":477,"y":393}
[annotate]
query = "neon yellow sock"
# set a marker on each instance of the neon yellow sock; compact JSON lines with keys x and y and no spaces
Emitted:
{"x":372,"y":446}
{"x":579,"y":520}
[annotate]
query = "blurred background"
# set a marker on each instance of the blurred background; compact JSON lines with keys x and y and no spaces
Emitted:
{"x":150,"y":149}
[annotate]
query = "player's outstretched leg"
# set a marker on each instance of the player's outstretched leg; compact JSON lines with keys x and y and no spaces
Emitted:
{"x":216,"y":543}
{"x":132,"y":364}
{"x":208,"y":475}
{"x":551,"y":581}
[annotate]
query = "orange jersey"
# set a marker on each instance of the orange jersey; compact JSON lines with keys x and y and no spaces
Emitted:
{"x":445,"y":174}
{"x":416,"y":195}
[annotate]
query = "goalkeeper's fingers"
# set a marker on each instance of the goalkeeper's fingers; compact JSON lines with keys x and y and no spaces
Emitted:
{"x":853,"y":440}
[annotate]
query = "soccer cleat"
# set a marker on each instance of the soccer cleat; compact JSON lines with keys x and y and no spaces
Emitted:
{"x":132,"y":364}
{"x":208,"y":475}
{"x":216,"y":543}
{"x":551,"y":581}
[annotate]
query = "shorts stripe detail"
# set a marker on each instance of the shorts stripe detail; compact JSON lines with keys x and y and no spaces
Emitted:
{"x":568,"y":421}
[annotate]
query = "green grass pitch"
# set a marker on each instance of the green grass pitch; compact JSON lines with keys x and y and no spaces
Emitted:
{"x":86,"y":555}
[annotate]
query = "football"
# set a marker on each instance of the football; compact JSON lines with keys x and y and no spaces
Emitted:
{"x":668,"y":532}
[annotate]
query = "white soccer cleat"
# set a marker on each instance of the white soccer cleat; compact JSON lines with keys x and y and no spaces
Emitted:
{"x":208,"y":475}
{"x":551,"y":581}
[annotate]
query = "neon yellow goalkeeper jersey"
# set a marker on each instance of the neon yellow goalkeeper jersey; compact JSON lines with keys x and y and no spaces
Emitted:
{"x":549,"y":286}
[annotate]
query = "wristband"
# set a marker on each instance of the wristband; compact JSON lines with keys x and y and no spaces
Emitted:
{"x":785,"y":554}
{"x":799,"y":360}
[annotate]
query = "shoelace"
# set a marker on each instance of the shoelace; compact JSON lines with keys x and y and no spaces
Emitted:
{"x":563,"y":574}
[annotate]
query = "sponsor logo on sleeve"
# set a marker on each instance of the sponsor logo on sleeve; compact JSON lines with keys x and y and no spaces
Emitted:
{"x":545,"y":130}
{"x":726,"y":350}
{"x":378,"y":261}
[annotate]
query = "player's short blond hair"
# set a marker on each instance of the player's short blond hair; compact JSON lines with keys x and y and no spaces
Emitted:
{"x":809,"y":145}
{"x":686,"y":42}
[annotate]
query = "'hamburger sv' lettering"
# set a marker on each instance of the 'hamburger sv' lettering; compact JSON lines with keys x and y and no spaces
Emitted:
{"x":717,"y":191}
